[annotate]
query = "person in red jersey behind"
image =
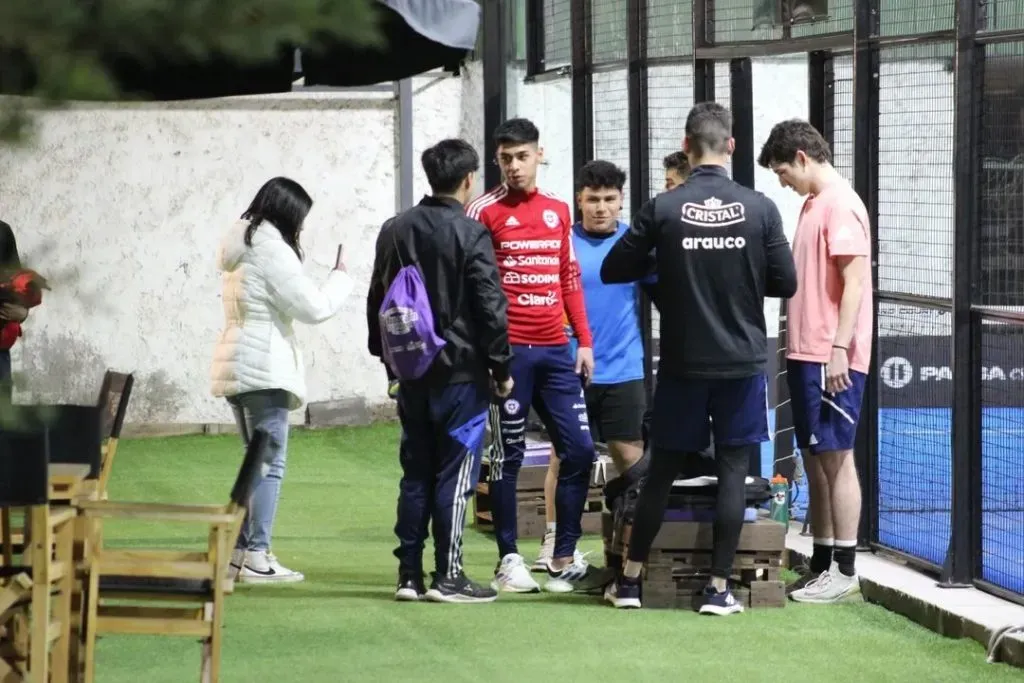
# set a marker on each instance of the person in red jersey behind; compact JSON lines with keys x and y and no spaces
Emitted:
{"x":541,"y":279}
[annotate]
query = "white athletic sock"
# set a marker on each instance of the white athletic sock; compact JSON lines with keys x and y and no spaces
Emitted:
{"x":551,"y":527}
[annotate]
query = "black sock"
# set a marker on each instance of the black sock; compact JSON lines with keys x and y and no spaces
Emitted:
{"x":845,"y":556}
{"x":821,"y":560}
{"x":639,"y":468}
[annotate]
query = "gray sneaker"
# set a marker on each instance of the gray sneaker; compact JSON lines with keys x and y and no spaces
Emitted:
{"x":803,"y":582}
{"x":831,"y":586}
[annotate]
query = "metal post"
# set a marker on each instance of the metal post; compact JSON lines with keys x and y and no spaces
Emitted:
{"x":403,"y":189}
{"x":960,"y":568}
{"x":816,"y":86}
{"x":639,"y":149}
{"x":741,"y":89}
{"x":535,"y":53}
{"x":865,"y":181}
{"x":582,"y":88}
{"x":828,"y":103}
{"x":703,"y":36}
{"x":494,"y":62}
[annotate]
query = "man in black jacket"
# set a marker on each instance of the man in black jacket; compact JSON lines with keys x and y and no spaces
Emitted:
{"x":719,"y":249}
{"x":444,"y":412}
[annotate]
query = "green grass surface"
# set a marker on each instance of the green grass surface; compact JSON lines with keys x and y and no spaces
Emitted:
{"x":335,"y":524}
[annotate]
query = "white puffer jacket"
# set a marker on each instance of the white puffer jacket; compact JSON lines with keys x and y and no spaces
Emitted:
{"x":264,"y":290}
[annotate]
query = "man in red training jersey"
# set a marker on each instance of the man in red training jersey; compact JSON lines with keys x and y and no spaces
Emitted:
{"x":541,"y":279}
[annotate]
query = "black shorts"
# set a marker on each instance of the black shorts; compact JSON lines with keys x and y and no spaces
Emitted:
{"x":616,"y":411}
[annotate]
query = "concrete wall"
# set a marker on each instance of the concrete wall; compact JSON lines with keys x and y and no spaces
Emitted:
{"x":123,"y":206}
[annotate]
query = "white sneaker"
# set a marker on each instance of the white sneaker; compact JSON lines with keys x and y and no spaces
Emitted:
{"x":830,"y":586}
{"x":261,"y":566}
{"x":547,"y":551}
{"x":512,"y":576}
{"x":235,"y":565}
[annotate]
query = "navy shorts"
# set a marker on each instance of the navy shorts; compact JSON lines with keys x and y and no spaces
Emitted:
{"x":823,"y":422}
{"x":687,"y":410}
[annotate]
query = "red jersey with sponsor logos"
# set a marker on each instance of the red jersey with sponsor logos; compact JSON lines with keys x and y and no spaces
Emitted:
{"x":539,"y":272}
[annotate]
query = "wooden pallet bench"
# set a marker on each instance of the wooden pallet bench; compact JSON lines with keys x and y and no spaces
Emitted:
{"x":679,"y":564}
{"x":530,"y":499}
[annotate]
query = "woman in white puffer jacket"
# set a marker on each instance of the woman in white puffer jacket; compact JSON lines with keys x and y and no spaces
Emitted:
{"x":257,"y":364}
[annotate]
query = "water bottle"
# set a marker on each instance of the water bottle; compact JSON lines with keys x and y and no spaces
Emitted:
{"x":780,"y":499}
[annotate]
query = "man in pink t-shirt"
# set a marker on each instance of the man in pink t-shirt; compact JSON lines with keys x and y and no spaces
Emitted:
{"x":829,"y":330}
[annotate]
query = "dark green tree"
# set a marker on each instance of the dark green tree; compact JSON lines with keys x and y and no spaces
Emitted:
{"x":68,"y":43}
{"x":67,"y":40}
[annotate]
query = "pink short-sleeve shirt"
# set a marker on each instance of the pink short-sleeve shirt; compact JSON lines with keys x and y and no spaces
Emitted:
{"x":833,"y":223}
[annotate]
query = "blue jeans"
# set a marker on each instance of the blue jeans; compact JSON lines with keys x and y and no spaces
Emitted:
{"x":269,"y":410}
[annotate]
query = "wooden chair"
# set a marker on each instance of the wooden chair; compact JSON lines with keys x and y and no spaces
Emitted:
{"x":113,"y":403}
{"x":187,"y":587}
{"x":40,"y":586}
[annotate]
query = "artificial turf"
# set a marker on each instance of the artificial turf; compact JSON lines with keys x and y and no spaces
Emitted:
{"x":335,"y":524}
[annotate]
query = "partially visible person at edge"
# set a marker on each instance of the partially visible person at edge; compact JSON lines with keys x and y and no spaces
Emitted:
{"x":11,"y":314}
{"x":677,"y":170}
{"x":444,"y":411}
{"x":616,"y":396}
{"x":531,"y":232}
{"x":829,"y":348}
{"x":257,"y":363}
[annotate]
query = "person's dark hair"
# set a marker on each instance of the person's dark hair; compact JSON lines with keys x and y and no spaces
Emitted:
{"x":516,"y":132}
{"x":789,"y":137}
{"x":598,"y":173}
{"x":677,"y":161}
{"x":283,"y":203}
{"x":448,"y":163}
{"x":709,"y":127}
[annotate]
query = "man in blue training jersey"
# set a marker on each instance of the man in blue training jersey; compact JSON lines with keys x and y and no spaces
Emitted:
{"x":616,"y":395}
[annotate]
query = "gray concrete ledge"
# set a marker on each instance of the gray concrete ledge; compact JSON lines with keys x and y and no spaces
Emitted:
{"x":317,"y":415}
{"x":953,"y":612}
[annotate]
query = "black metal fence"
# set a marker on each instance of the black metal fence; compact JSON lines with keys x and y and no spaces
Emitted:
{"x":923,"y":103}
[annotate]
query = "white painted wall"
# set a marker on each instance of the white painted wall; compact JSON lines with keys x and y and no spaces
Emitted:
{"x":123,"y":206}
{"x":549,"y":106}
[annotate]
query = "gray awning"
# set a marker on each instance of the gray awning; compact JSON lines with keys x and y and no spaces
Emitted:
{"x":450,"y":22}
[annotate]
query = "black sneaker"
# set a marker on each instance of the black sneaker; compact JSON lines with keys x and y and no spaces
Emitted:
{"x":720,"y":604}
{"x":579,"y":577}
{"x":410,"y":589}
{"x":459,"y":589}
{"x":627,"y":593}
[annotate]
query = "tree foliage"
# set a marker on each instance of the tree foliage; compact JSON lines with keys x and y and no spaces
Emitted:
{"x":70,"y":43}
